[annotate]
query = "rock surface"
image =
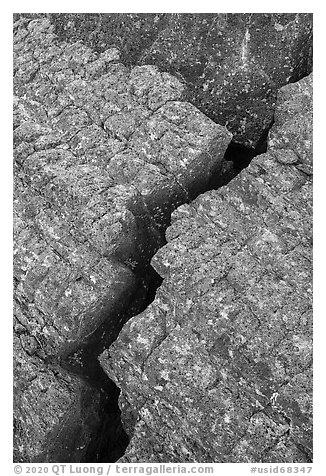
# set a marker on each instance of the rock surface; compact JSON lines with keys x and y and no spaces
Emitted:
{"x":232,"y":64}
{"x":103,"y":154}
{"x":218,"y":367}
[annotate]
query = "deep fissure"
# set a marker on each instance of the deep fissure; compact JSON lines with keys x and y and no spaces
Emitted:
{"x":92,"y":430}
{"x":111,"y":441}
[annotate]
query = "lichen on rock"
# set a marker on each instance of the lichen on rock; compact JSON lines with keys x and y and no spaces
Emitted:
{"x":218,"y":367}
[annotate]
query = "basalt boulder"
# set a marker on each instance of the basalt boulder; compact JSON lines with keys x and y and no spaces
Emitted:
{"x":232,"y":64}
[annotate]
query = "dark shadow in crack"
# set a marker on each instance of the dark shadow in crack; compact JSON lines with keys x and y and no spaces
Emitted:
{"x":111,"y":440}
{"x":236,"y":158}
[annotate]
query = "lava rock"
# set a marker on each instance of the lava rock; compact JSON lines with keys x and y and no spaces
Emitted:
{"x":219,"y":367}
{"x":232,"y":63}
{"x":103,"y":153}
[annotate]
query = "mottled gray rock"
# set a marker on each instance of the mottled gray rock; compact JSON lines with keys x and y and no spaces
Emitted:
{"x":103,"y":154}
{"x":290,"y":138}
{"x":232,"y":63}
{"x":218,"y":367}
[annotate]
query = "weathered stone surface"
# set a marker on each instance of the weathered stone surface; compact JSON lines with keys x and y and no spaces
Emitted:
{"x":218,"y":367}
{"x":233,"y":64}
{"x":103,"y":154}
{"x":292,"y":131}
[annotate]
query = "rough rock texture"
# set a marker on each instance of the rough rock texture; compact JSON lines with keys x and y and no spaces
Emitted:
{"x":218,"y":367}
{"x":103,"y":154}
{"x":232,"y":64}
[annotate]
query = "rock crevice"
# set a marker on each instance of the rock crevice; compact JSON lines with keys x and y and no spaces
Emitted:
{"x":103,"y":155}
{"x":218,"y":367}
